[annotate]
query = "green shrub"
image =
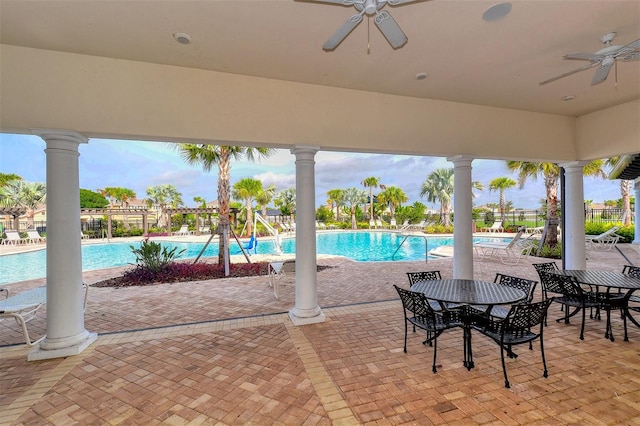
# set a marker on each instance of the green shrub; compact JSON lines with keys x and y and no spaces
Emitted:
{"x":548,"y":251}
{"x":153,"y":257}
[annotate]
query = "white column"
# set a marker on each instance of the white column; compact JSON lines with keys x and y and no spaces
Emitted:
{"x":636,"y":187}
{"x":306,"y":309}
{"x":462,"y":218}
{"x":573,"y":233}
{"x":66,"y":334}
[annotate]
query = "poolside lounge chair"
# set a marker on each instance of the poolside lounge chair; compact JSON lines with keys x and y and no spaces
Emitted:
{"x":510,"y":251}
{"x":496,"y":227}
{"x":23,"y":307}
{"x":604,"y":241}
{"x":13,"y":238}
{"x":183,"y":231}
{"x":83,"y":236}
{"x":379,"y":224}
{"x":418,"y":226}
{"x":35,"y":237}
{"x":205,"y":229}
{"x":320,"y":225}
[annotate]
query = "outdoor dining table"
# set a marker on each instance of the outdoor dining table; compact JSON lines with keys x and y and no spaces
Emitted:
{"x":468,"y":293}
{"x":609,"y":280}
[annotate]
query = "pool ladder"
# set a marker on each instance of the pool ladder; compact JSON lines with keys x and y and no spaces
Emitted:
{"x":406,"y":236}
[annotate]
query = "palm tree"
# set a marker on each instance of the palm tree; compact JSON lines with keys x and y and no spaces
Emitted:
{"x":264,"y":198}
{"x":208,"y":156}
{"x":439,"y":188}
{"x":371,"y":182}
{"x":123,"y":195}
{"x":20,"y":193}
{"x":353,"y":197}
{"x":286,"y":201}
{"x":625,"y":192}
{"x":393,"y":196}
{"x":247,"y":189}
{"x":501,"y":184}
{"x":6,"y":177}
{"x":160,"y":197}
{"x":551,"y":174}
{"x":336,"y":198}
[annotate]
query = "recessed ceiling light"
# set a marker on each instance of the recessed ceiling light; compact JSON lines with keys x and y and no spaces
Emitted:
{"x":421,"y":76}
{"x":568,"y":98}
{"x":182,"y":38}
{"x":497,"y":11}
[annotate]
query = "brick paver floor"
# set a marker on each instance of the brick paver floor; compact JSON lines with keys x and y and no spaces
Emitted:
{"x":225,"y":352}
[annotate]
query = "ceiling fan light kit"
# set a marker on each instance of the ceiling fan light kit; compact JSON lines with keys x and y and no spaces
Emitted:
{"x":603,"y":59}
{"x":372,"y":8}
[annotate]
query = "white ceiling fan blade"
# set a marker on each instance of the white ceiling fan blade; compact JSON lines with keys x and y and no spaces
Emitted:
{"x":390,"y":29}
{"x":342,"y":32}
{"x":341,"y":2}
{"x":558,"y":77}
{"x":633,"y":45}
{"x":633,"y":56}
{"x":593,"y":57}
{"x":397,"y":2}
{"x":601,"y":73}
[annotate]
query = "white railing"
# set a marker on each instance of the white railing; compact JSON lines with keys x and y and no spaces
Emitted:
{"x":276,"y":237}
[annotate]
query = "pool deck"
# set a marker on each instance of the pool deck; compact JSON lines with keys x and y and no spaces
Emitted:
{"x":224,"y":352}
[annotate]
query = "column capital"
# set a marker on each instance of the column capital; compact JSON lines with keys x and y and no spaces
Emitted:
{"x":305,"y":149}
{"x":573,"y":166}
{"x":461,"y":160}
{"x":65,"y":137}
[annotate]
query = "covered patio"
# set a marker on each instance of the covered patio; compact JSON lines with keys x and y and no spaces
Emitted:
{"x":225,"y":352}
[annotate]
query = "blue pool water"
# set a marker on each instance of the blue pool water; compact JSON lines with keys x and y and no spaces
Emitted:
{"x":359,"y":246}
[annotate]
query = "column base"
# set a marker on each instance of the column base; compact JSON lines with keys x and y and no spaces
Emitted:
{"x":300,"y":317}
{"x":39,"y":354}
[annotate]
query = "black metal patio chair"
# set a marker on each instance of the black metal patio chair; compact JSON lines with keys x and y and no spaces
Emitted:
{"x":518,"y":328}
{"x":419,"y":313}
{"x":634,"y":300}
{"x":568,"y":293}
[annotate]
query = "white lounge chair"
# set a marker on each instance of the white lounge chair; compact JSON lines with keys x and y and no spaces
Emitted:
{"x":13,"y":238}
{"x":604,"y":241}
{"x":418,"y":226}
{"x":379,"y":224}
{"x":320,"y":225}
{"x":23,"y":307}
{"x":35,"y":237}
{"x":510,"y":252}
{"x":496,"y":227}
{"x":183,"y":231}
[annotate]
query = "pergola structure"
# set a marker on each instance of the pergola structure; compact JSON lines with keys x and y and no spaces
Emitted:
{"x":119,"y":212}
{"x":15,"y":213}
{"x":189,"y":210}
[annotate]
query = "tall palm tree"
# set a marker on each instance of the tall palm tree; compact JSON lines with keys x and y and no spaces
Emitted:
{"x":371,"y":182}
{"x":353,"y":197}
{"x":286,"y":201}
{"x":247,"y":189}
{"x":123,"y":195}
{"x":439,"y":188}
{"x":501,"y":184}
{"x":336,"y":198}
{"x":264,"y":198}
{"x":20,"y":193}
{"x":160,"y":197}
{"x":551,"y":174}
{"x":6,"y":177}
{"x":393,"y":196}
{"x":208,"y":156}
{"x":625,"y":192}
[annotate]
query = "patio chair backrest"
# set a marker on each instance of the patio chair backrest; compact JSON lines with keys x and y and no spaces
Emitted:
{"x":528,"y":286}
{"x":565,"y":285}
{"x":633,"y":271}
{"x":522,"y":317}
{"x":416,"y":277}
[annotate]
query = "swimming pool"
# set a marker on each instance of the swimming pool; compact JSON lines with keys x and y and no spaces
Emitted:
{"x":359,"y":246}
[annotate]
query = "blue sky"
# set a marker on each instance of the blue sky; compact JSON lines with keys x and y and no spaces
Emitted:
{"x":138,"y":165}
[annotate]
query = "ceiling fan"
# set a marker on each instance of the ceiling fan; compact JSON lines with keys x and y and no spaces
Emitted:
{"x":604,"y":59}
{"x":383,"y":20}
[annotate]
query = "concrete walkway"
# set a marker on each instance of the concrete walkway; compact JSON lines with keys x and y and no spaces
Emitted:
{"x":225,"y":352}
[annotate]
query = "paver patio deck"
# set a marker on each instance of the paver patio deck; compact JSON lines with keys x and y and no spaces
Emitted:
{"x":225,"y":352}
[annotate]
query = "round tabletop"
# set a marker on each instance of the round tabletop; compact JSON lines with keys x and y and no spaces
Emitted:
{"x":609,"y":279}
{"x":469,"y":292}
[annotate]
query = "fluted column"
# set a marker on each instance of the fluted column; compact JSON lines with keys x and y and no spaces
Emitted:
{"x":306,"y":309}
{"x":575,"y":256}
{"x":66,"y":334}
{"x":462,"y":218}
